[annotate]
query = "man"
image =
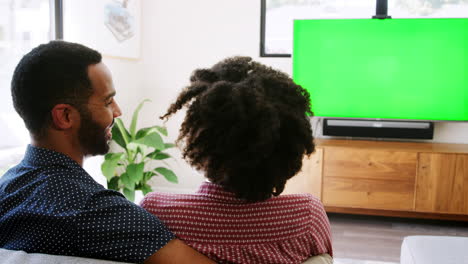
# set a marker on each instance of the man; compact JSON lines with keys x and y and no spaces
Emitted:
{"x":48,"y":203}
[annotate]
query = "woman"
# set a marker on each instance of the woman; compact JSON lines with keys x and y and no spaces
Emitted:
{"x":247,"y":129}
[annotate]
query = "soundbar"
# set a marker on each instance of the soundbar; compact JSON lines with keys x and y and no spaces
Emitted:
{"x":378,"y":129}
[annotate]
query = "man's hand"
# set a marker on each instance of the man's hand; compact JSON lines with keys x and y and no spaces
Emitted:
{"x":177,"y":251}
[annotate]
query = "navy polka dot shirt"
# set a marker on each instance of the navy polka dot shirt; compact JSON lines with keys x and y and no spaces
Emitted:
{"x":49,"y":204}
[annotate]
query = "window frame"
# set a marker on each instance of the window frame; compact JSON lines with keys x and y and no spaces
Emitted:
{"x":381,"y":13}
{"x":263,"y":32}
{"x":57,"y":8}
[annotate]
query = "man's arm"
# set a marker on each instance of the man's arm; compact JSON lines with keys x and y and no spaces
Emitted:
{"x":177,"y":251}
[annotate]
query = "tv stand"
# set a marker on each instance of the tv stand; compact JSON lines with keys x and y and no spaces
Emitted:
{"x":366,"y":128}
{"x":423,"y":180}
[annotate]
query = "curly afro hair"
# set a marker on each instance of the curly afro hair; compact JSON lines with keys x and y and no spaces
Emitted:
{"x":246,"y":126}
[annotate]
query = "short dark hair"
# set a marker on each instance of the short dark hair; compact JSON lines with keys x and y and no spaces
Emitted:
{"x":50,"y":74}
{"x":246,"y":126}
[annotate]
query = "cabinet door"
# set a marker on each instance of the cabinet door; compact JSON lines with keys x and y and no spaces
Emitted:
{"x":369,"y":179}
{"x":442,"y":183}
{"x":309,"y":179}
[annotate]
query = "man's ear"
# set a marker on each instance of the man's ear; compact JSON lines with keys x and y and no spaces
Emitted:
{"x":64,"y":116}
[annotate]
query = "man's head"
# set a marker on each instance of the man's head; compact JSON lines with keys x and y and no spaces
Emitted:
{"x":246,"y":126}
{"x":59,"y":81}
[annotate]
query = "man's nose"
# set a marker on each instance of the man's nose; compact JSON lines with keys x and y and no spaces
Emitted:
{"x":117,"y":111}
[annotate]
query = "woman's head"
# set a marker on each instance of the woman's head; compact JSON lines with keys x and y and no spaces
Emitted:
{"x":246,"y":126}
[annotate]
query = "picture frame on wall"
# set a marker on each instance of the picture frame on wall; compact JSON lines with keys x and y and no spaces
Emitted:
{"x":111,"y":26}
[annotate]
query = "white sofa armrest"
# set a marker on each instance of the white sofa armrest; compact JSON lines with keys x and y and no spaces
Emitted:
{"x":434,"y":250}
{"x":14,"y":256}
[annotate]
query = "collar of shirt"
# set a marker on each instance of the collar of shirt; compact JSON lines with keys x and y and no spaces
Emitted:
{"x":36,"y":156}
{"x":217,"y":192}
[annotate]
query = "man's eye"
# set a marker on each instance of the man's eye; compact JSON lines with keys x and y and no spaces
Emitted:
{"x":110,"y":101}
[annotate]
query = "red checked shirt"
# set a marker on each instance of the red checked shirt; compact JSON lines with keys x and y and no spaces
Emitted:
{"x":283,"y":229}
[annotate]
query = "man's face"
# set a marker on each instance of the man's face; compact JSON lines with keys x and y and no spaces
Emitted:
{"x":98,"y":116}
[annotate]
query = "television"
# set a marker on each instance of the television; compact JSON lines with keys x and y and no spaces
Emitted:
{"x":384,"y":69}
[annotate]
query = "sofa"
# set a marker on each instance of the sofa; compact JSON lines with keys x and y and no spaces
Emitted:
{"x":434,"y":250}
{"x":13,"y":256}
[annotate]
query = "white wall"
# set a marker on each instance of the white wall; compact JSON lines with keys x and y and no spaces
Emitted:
{"x":179,"y":36}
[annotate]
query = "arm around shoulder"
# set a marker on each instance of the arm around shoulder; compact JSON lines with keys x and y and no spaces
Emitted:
{"x":177,"y":251}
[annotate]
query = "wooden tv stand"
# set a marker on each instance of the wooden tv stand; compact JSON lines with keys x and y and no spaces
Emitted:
{"x":424,"y":180}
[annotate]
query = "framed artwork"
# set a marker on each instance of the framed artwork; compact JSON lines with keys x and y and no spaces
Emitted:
{"x":277,"y":16}
{"x":112,"y":27}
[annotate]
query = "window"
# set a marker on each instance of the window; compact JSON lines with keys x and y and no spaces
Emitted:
{"x":24,"y":24}
{"x":428,"y":8}
{"x":277,"y":16}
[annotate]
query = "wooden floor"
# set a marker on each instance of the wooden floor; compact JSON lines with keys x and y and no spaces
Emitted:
{"x":379,"y":238}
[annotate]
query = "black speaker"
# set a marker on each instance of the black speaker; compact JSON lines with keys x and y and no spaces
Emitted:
{"x":378,"y":128}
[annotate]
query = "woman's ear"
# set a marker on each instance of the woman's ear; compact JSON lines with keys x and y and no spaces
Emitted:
{"x":64,"y":116}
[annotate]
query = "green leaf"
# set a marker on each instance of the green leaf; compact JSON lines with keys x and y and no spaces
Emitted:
{"x":144,"y":131}
{"x":135,"y":172}
{"x":127,"y":181}
{"x":110,"y":163}
{"x":113,"y":184}
{"x":135,"y":119}
{"x":130,"y":194}
{"x":162,"y":130}
{"x":153,"y":140}
{"x":122,"y":137}
{"x":169,"y":145}
{"x":168,"y":174}
{"x":148,"y":175}
{"x":147,"y":130}
{"x":145,"y":188}
{"x":158,"y":155}
{"x":118,"y":137}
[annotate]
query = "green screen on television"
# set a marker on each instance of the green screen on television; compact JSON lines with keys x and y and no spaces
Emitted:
{"x":413,"y":69}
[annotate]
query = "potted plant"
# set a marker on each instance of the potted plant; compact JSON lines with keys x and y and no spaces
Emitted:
{"x":142,"y":156}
